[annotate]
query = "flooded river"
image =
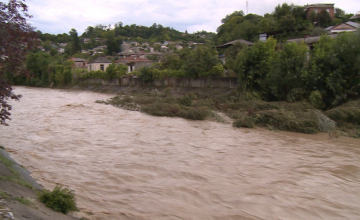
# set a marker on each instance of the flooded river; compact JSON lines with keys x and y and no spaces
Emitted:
{"x":128,"y":165}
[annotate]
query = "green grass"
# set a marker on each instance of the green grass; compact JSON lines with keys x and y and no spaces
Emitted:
{"x":15,"y":177}
{"x":4,"y":195}
{"x":23,"y":201}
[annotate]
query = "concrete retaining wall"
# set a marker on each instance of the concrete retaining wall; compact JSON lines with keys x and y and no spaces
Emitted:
{"x":215,"y":82}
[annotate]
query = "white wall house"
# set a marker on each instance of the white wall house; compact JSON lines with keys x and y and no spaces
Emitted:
{"x":100,"y":63}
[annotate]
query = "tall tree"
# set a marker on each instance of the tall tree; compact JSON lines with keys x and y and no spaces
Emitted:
{"x":75,"y":41}
{"x":17,"y":38}
{"x":112,"y":43}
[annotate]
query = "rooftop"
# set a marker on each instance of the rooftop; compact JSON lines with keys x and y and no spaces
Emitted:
{"x":132,"y":59}
{"x":318,"y":5}
{"x":241,"y":41}
{"x":78,"y":59}
{"x":309,"y":40}
{"x":101,"y":60}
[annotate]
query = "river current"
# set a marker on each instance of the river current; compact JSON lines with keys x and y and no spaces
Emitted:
{"x":129,"y":165}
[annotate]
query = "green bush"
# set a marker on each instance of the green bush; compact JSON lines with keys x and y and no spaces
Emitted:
{"x":245,"y":121}
{"x":161,"y":109}
{"x":194,"y":113}
{"x":60,"y":199}
{"x":186,"y":100}
{"x":288,"y":121}
{"x":316,"y":99}
{"x":345,"y":113}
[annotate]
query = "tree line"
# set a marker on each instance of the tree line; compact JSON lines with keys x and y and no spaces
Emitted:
{"x":328,"y":75}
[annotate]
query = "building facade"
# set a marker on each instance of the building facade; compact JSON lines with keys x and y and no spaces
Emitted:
{"x":100,"y":63}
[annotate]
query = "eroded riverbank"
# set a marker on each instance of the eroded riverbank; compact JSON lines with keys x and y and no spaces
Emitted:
{"x":128,"y":165}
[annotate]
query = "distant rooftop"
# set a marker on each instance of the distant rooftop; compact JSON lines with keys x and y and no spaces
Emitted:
{"x":353,"y":24}
{"x":309,"y":40}
{"x":78,"y":59}
{"x":318,"y":5}
{"x":356,"y":16}
{"x":132,"y":59}
{"x":235,"y":42}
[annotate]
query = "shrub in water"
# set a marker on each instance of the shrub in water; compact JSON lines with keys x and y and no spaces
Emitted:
{"x":194,"y":113}
{"x":60,"y":199}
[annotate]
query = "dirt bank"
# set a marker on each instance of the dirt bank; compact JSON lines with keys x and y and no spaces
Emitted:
{"x":18,"y":199}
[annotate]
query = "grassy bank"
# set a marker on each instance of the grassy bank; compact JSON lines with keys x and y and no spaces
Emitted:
{"x":246,"y":110}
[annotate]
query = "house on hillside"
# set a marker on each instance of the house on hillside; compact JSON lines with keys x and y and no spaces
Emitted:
{"x":134,"y":43}
{"x":164,"y":48}
{"x":167,"y":43}
{"x":79,"y":62}
{"x":310,"y":41}
{"x":345,"y":27}
{"x":155,"y":56}
{"x":179,"y":46}
{"x":62,"y":44}
{"x":100,"y":63}
{"x":356,"y":16}
{"x":238,"y":41}
{"x":317,"y":8}
{"x":41,"y":48}
{"x":230,"y":44}
{"x":129,"y":53}
{"x":134,"y":63}
{"x":99,"y":48}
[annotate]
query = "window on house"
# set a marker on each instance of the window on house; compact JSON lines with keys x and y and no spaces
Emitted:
{"x":316,"y":11}
{"x":328,"y":10}
{"x":90,"y":67}
{"x":102,"y":67}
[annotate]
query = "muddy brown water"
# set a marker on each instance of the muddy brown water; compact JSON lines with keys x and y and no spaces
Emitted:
{"x":128,"y":165}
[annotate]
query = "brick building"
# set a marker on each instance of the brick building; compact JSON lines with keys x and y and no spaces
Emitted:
{"x":317,"y":8}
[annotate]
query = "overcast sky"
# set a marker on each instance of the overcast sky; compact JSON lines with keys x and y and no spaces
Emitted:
{"x":59,"y":16}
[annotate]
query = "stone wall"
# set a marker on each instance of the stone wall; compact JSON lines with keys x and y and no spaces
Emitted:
{"x":216,"y":82}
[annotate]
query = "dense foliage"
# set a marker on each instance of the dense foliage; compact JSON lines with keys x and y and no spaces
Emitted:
{"x":193,"y":63}
{"x":328,"y":76}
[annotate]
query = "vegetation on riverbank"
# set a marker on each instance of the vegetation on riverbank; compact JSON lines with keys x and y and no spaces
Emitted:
{"x":246,"y":110}
{"x":13,"y":175}
{"x":60,"y":199}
